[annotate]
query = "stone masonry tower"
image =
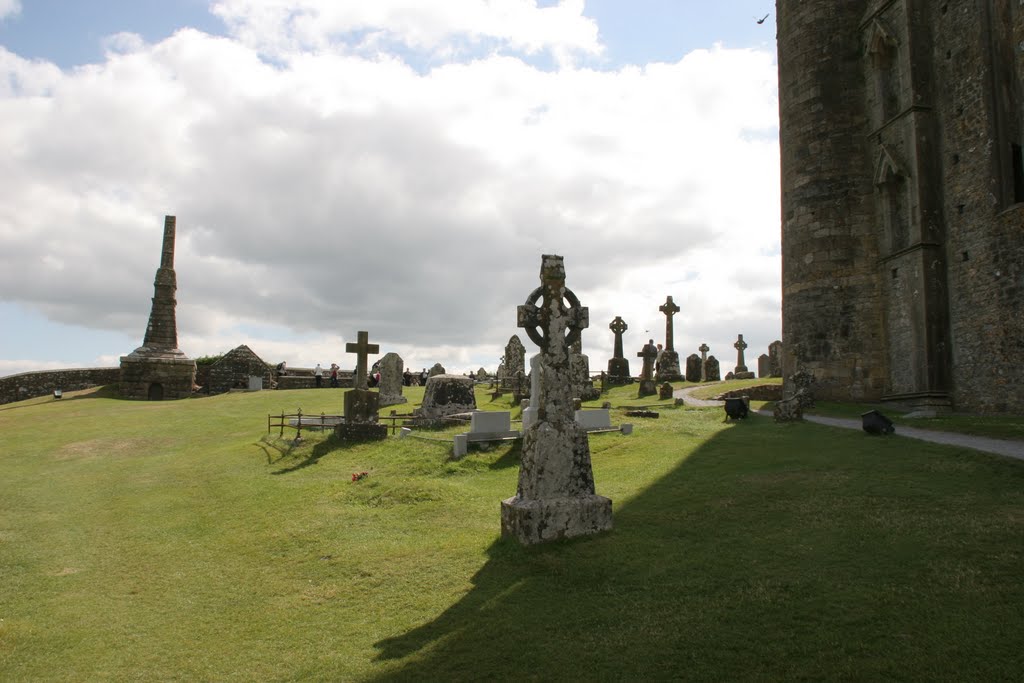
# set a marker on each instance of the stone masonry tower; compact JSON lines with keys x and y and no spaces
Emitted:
{"x":903,"y":199}
{"x":158,"y":369}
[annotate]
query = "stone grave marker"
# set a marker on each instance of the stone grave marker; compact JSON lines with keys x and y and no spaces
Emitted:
{"x":555,"y":498}
{"x":775,"y":358}
{"x":361,"y":405}
{"x":647,"y":386}
{"x":515,"y":359}
{"x":704,"y":348}
{"x":694,"y":368}
{"x":763,"y":365}
{"x":668,"y":365}
{"x":391,"y":371}
{"x":618,"y":366}
{"x":712,"y":370}
{"x":446,"y":395}
{"x":436,"y":369}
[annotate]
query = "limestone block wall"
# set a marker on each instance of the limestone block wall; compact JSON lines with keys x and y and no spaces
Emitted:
{"x":41,"y":383}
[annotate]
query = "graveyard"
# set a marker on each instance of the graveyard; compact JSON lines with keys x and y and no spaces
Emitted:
{"x":181,"y":540}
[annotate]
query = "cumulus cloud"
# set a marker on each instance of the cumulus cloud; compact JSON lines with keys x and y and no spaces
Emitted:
{"x":333,"y":191}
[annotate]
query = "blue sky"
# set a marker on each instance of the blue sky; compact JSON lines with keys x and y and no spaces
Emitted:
{"x":622,"y":129}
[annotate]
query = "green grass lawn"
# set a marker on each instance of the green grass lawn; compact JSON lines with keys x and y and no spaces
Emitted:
{"x":179,"y":541}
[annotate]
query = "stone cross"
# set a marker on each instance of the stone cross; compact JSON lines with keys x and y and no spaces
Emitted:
{"x":740,"y":345}
{"x":648,"y":353}
{"x":669,"y":309}
{"x":704,"y":348}
{"x":618,"y":326}
{"x":554,"y":327}
{"x":362,"y":348}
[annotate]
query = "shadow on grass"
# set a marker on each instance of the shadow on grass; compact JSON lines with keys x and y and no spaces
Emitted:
{"x":329,"y":445}
{"x":770,"y":553}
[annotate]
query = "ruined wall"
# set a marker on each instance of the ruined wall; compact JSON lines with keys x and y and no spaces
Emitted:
{"x":42,"y":383}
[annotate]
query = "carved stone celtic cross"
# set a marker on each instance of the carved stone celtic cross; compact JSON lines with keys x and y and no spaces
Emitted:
{"x":551,"y":324}
{"x":669,"y":309}
{"x":618,"y":326}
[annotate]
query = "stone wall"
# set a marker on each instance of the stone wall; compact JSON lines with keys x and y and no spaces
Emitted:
{"x":41,"y":383}
{"x":903,"y":254}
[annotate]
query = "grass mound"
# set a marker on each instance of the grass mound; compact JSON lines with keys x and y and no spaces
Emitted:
{"x":179,"y":540}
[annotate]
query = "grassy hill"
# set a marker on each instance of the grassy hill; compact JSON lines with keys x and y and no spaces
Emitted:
{"x":180,"y":541}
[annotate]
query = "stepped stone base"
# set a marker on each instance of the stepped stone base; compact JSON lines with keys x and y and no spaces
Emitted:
{"x":540,"y":521}
{"x":156,"y":376}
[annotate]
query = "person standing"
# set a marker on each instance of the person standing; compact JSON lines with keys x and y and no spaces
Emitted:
{"x":318,"y":373}
{"x":334,"y":374}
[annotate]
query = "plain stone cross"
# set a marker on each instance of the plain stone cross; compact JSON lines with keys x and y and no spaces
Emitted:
{"x":669,"y":309}
{"x":740,"y":345}
{"x":618,"y":326}
{"x":362,"y":348}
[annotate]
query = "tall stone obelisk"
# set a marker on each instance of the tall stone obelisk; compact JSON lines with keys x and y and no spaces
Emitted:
{"x":159,"y":369}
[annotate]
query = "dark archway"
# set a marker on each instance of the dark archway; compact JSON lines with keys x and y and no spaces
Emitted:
{"x":156,"y":392}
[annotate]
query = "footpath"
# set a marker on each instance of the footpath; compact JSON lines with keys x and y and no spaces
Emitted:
{"x":1005,"y":447}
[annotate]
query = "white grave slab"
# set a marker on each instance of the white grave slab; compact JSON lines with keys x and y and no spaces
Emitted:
{"x":490,"y":421}
{"x":255,"y":383}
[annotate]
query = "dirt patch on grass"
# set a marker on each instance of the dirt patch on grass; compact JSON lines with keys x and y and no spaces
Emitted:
{"x":105,"y":447}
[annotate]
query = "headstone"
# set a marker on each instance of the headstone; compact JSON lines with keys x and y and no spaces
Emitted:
{"x":694,"y":368}
{"x":763,"y":365}
{"x":665,"y":391}
{"x":391,"y":370}
{"x":582,"y":385}
{"x":481,"y":375}
{"x":530,"y":412}
{"x":594,"y":419}
{"x":668,"y":364}
{"x":515,"y":358}
{"x":740,"y":346}
{"x":447,"y":395}
{"x":704,"y":348}
{"x":618,"y":366}
{"x":775,"y":358}
{"x":361,"y":404}
{"x":712,"y":370}
{"x":555,"y":498}
{"x":436,"y":369}
{"x":647,"y":386}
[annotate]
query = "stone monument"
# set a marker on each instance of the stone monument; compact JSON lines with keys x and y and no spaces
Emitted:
{"x":668,"y":364}
{"x":704,"y":348}
{"x":741,"y":371}
{"x":436,"y":369}
{"x":582,"y":386}
{"x":694,"y":368}
{"x":446,"y":395}
{"x":763,"y":365}
{"x":775,"y":358}
{"x":555,"y":498}
{"x":712,"y":370}
{"x":391,"y":371}
{"x":618,"y":365}
{"x":158,"y":369}
{"x":647,"y":385}
{"x":361,"y":404}
{"x":515,"y":360}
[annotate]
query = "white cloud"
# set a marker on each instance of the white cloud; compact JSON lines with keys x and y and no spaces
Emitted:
{"x":336,"y":192}
{"x":439,"y":27}
{"x":9,"y":8}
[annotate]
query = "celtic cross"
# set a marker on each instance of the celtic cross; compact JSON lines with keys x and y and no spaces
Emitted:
{"x":618,"y":326}
{"x":669,"y":309}
{"x":740,"y":345}
{"x":553,"y":325}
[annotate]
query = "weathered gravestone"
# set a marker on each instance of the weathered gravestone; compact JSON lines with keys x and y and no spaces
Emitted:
{"x":647,"y":386}
{"x":712,"y":370}
{"x":668,"y":364}
{"x":582,"y":386}
{"x":391,"y":371}
{"x":437,"y":369}
{"x":693,"y":368}
{"x":665,"y":391}
{"x":481,"y":375}
{"x":361,"y":404}
{"x":763,"y":365}
{"x":618,"y":366}
{"x":447,"y":395}
{"x":515,"y":360}
{"x":775,"y":358}
{"x":555,"y":498}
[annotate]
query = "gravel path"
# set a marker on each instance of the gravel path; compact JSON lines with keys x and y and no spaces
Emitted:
{"x":1011,"y":449}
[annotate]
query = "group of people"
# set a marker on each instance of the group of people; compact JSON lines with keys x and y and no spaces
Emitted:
{"x":409,"y":379}
{"x":318,"y":375}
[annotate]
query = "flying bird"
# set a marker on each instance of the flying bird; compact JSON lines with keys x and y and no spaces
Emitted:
{"x":761,"y":20}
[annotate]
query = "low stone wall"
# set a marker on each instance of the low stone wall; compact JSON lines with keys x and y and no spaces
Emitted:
{"x":42,"y":382}
{"x":762,"y":392}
